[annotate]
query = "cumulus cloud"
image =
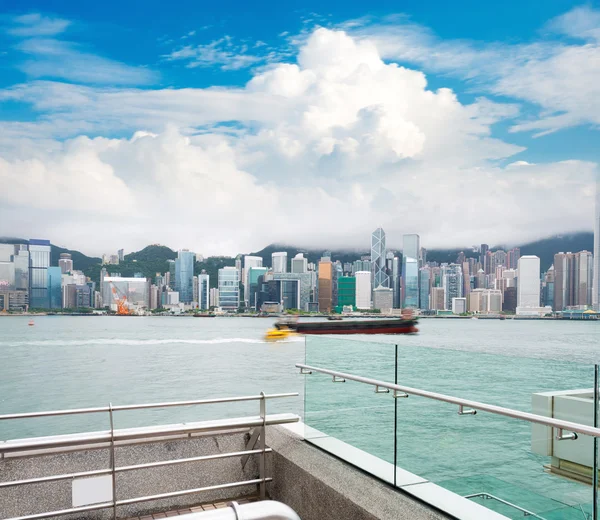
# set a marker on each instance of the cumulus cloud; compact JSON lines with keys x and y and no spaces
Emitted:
{"x":561,"y":79}
{"x":314,"y":153}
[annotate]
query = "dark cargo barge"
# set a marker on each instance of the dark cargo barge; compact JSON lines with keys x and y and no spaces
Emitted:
{"x":377,"y":326}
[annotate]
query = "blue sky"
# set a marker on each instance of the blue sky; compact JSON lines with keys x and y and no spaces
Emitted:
{"x":259,"y":90}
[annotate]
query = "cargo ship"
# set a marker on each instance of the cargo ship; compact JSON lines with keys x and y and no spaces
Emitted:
{"x":283,"y":329}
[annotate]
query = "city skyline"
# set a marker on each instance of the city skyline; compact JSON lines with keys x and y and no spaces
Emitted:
{"x":323,"y":121}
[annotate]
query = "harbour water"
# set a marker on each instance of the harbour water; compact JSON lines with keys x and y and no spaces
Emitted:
{"x":71,"y":362}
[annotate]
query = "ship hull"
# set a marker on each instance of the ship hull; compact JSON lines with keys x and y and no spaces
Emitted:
{"x":380,"y":326}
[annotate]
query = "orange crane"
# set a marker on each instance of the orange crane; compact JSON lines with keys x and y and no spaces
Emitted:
{"x":121,"y":300}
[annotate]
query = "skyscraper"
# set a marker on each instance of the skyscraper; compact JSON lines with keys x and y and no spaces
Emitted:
{"x":483,"y":249}
{"x":229,"y":288}
{"x":325,"y":285}
{"x":573,"y":280}
{"x":596,"y":270}
{"x":410,"y":285}
{"x":279,"y":262}
{"x":299,"y":264}
{"x":254,"y":273}
{"x":184,"y":275}
{"x":203,"y":290}
{"x":363,"y":289}
{"x":411,"y":246}
{"x":39,"y":261}
{"x":249,"y":261}
{"x":121,"y":255}
{"x":396,"y":282}
{"x":452,"y":282}
{"x":528,"y":288}
{"x":424,"y":288}
{"x":380,"y":277}
{"x":65,"y":263}
{"x":55,"y":288}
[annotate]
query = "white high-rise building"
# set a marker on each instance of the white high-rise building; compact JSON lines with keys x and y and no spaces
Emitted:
{"x":528,"y":286}
{"x":279,"y":262}
{"x":203,"y":291}
{"x":249,"y":261}
{"x":363,"y":289}
{"x":596,"y":273}
{"x":299,"y":264}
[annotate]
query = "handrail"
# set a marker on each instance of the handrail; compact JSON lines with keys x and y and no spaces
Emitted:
{"x":559,"y":424}
{"x":107,"y":409}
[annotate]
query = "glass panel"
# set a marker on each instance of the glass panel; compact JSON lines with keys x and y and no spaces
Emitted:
{"x":349,"y":419}
{"x":508,"y":465}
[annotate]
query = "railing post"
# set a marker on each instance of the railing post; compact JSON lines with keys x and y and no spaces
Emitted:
{"x":595,"y":461}
{"x":261,"y":460}
{"x":112,"y":461}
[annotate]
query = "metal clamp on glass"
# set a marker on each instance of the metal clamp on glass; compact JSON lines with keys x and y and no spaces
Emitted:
{"x":337,"y":379}
{"x":560,"y":436}
{"x":399,"y":394}
{"x":381,"y":390}
{"x":305,"y":371}
{"x":468,"y":411}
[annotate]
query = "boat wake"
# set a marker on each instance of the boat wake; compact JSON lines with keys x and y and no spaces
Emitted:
{"x":133,"y":342}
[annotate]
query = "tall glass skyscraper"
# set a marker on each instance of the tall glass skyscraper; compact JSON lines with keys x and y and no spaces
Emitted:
{"x":410,"y":276}
{"x":39,"y":261}
{"x":452,"y":282}
{"x":411,"y":246}
{"x":203,"y":290}
{"x":55,"y":288}
{"x":596,"y":269}
{"x":254,"y":273}
{"x":229,"y":288}
{"x":424,"y":288}
{"x":380,"y":277}
{"x":184,"y":275}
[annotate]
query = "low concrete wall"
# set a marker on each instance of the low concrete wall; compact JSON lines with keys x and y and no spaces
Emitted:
{"x":54,"y":496}
{"x":320,"y":487}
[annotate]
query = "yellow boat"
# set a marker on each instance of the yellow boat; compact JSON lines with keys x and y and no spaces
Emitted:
{"x":281,"y":333}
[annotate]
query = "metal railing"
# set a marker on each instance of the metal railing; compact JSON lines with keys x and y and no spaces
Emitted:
{"x":109,"y":439}
{"x":465,"y":406}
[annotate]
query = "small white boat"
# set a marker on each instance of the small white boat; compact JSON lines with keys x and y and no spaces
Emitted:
{"x":31,"y":323}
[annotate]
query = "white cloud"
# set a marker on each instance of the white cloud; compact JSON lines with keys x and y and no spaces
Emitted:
{"x":322,"y":152}
{"x":36,"y":25}
{"x":561,"y":79}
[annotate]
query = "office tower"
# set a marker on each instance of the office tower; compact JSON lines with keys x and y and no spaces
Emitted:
{"x":584,"y":278}
{"x":65,"y":263}
{"x":203,"y":290}
{"x":184,"y":275}
{"x":438,"y":298}
{"x":411,"y":246}
{"x":346,"y":292}
{"x":229,"y":288}
{"x":466,"y":272}
{"x":396,"y":282}
{"x":423,"y":256}
{"x":513,"y":256}
{"x":383,"y":299}
{"x":483,"y":249}
{"x":528,"y":287}
{"x":452,"y":282}
{"x":361,"y":265}
{"x":410,"y":283}
{"x":55,"y":288}
{"x":214,"y":297}
{"x":510,"y":299}
{"x":279,"y":262}
{"x":424,"y":288}
{"x":573,"y":280}
{"x":363,"y":289}
{"x":347,"y":268}
{"x":325,"y":284}
{"x":337,"y":274}
{"x":254,"y":273}
{"x":500,"y":258}
{"x":299,"y":264}
{"x":461,"y":258}
{"x":171,"y":274}
{"x":39,"y":261}
{"x":195,"y":289}
{"x":238,"y":265}
{"x":249,"y":261}
{"x":154,"y":291}
{"x":121,"y":254}
{"x":380,"y":277}
{"x":596,"y":258}
{"x":548,"y":288}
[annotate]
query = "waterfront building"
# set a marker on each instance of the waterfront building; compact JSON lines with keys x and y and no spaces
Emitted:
{"x":39,"y":261}
{"x":474,"y":302}
{"x":452,"y":283}
{"x":424,"y":288}
{"x":397,"y":282}
{"x":299,"y":264}
{"x":294,"y":289}
{"x":573,"y":280}
{"x":510,"y":299}
{"x":229,"y":288}
{"x":485,"y":301}
{"x":528,"y":287}
{"x":410,"y":283}
{"x":459,"y":305}
{"x":253,"y":275}
{"x":214,"y":297}
{"x":249,"y":261}
{"x":279,"y":262}
{"x":383,"y":299}
{"x":154,"y":294}
{"x":195,"y":289}
{"x":184,"y":275}
{"x":203,"y":290}
{"x":346,"y":292}
{"x":380,"y":277}
{"x":548,"y":288}
{"x":325,"y":284}
{"x":438,"y":298}
{"x":363,"y":289}
{"x":65,"y":262}
{"x":55,"y":288}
